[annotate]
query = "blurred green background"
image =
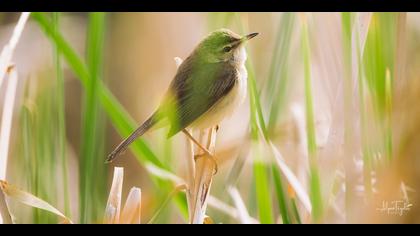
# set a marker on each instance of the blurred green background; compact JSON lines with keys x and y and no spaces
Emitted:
{"x":336,"y":93}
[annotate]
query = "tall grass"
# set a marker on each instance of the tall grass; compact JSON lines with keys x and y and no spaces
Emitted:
{"x":93,"y":192}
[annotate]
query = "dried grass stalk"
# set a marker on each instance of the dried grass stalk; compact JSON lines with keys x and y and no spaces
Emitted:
{"x":5,"y":58}
{"x":204,"y":170}
{"x":6,"y":124}
{"x":113,"y":206}
{"x":131,"y":213}
{"x":9,"y":48}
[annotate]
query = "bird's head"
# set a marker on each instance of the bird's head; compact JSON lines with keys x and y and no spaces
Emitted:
{"x":223,"y":45}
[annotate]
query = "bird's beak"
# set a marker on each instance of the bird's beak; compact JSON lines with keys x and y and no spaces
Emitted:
{"x":249,"y":36}
{"x":244,"y":39}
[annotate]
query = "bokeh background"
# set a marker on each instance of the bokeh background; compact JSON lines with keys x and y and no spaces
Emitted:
{"x":336,"y":93}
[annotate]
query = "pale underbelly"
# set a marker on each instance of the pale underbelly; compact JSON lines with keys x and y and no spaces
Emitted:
{"x":226,"y":106}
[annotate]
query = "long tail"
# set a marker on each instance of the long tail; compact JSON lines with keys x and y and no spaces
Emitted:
{"x":137,"y":133}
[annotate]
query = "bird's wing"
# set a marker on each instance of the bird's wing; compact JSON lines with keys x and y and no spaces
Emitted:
{"x":196,"y":89}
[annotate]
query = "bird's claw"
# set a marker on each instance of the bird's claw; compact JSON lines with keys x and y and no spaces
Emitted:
{"x":212,"y":158}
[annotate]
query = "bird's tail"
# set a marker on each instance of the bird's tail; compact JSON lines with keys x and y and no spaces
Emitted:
{"x":137,"y":133}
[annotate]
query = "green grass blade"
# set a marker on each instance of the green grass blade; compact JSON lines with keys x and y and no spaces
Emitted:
{"x":367,"y":155}
{"x":295,"y":211}
{"x":74,"y":61}
{"x":93,"y":193}
{"x":61,"y":129}
{"x":281,"y":196}
{"x":278,"y":81}
{"x":257,"y":116}
{"x":315,"y":189}
{"x":262,"y":184}
{"x":388,"y":115}
{"x":255,"y":102}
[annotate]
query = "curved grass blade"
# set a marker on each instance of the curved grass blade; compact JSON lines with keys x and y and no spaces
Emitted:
{"x":315,"y":189}
{"x":291,"y":179}
{"x":30,"y":200}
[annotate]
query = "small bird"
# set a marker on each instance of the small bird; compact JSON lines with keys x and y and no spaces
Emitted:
{"x":209,"y":84}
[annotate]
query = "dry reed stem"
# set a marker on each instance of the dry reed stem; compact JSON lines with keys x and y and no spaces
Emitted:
{"x":5,"y":58}
{"x":9,"y":48}
{"x":6,"y":124}
{"x":204,"y":171}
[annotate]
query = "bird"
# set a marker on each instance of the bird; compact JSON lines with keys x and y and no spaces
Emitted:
{"x":207,"y":87}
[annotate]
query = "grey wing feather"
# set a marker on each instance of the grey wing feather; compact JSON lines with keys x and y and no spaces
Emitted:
{"x":196,"y":90}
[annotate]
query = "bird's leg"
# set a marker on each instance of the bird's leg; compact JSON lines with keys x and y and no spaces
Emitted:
{"x":205,"y":149}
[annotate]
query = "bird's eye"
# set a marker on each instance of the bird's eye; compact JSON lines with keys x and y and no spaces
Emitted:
{"x":227,"y":49}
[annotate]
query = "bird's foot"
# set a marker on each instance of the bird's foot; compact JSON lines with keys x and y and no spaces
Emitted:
{"x":212,"y":158}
